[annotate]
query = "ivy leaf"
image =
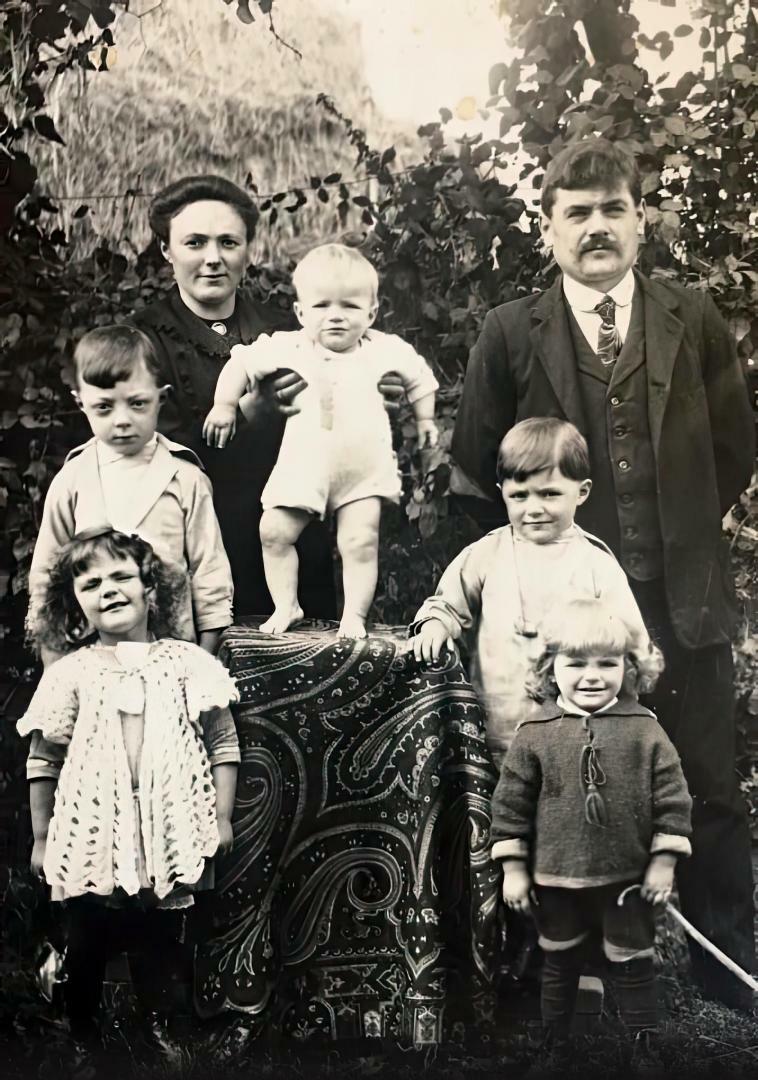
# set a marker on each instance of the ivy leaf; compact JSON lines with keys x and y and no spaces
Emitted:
{"x":265,"y":6}
{"x":103,"y":15}
{"x":45,"y":127}
{"x":683,"y":31}
{"x":389,"y":155}
{"x":498,"y":74}
{"x":674,"y":124}
{"x":705,"y":38}
{"x":333,"y":178}
{"x":244,"y":14}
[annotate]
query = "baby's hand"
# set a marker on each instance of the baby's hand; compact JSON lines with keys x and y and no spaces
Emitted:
{"x":220,"y":425}
{"x":225,"y":836}
{"x":38,"y":856}
{"x":430,"y":639}
{"x":659,"y":879}
{"x":428,"y":434}
{"x":516,"y":885}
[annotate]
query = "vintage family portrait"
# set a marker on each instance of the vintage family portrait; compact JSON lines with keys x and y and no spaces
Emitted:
{"x":378,"y":579}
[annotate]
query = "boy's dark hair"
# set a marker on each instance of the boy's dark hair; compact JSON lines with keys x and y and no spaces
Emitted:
{"x":60,"y":624}
{"x":109,"y":354}
{"x":590,"y":163}
{"x":191,"y":189}
{"x":542,"y":442}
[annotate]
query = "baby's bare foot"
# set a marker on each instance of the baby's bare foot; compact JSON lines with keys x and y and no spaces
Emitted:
{"x":352,"y":626}
{"x":281,"y":620}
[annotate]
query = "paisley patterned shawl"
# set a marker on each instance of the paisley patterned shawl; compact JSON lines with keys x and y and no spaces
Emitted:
{"x":360,"y":877}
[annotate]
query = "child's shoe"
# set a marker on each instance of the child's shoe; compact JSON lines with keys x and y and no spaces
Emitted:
{"x":646,"y":1059}
{"x":553,"y":1058}
{"x":156,"y":1037}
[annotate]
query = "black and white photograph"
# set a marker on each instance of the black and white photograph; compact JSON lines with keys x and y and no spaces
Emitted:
{"x":379,"y":520}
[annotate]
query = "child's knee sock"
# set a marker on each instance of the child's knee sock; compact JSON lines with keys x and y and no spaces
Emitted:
{"x":634,"y":983}
{"x":560,"y":985}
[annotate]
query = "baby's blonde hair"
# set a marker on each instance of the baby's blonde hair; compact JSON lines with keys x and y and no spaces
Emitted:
{"x":334,"y":260}
{"x":585,"y":626}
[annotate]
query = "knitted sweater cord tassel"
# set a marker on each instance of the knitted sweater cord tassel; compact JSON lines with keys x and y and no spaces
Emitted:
{"x":593,"y":778}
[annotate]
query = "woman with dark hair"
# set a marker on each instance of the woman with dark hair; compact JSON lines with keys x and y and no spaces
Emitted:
{"x":205,"y":226}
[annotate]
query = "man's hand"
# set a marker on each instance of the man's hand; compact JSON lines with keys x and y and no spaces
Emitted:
{"x":280,"y":390}
{"x":38,"y":856}
{"x":659,"y":878}
{"x":225,"y":836}
{"x":428,"y":643}
{"x":220,"y":425}
{"x":517,"y":885}
{"x":392,"y":389}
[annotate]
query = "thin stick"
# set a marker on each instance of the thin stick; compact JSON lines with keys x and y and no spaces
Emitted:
{"x":701,"y":939}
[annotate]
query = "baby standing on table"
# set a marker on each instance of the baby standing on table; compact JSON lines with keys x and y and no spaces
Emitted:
{"x":336,"y":453}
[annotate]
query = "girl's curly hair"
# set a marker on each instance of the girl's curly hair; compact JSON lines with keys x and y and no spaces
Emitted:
{"x":60,"y":623}
{"x":592,"y":626}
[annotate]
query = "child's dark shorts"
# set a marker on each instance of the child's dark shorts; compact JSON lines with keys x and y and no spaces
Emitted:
{"x":566,"y":917}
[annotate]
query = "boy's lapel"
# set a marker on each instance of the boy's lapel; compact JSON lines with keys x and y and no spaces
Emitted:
{"x":158,"y":475}
{"x":90,"y":505}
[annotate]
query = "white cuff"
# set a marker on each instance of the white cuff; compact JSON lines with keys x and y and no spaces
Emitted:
{"x":510,"y":849}
{"x":668,"y":842}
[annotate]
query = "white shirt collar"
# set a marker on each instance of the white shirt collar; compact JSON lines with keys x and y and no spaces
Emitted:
{"x":583,"y":298}
{"x":576,"y":711}
{"x":106,"y":455}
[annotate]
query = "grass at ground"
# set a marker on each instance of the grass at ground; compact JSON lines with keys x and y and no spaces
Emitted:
{"x":696,"y":1039}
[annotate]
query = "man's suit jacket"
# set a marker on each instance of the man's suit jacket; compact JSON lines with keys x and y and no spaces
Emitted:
{"x":701,"y":426}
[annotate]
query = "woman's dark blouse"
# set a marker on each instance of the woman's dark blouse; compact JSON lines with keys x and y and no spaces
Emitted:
{"x":192,"y":355}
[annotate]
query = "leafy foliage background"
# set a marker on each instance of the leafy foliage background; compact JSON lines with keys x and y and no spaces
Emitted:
{"x":450,"y":237}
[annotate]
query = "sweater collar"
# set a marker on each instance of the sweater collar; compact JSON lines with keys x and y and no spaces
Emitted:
{"x":624,"y":706}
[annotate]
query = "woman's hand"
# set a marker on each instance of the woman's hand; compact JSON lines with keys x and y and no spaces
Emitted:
{"x":220,"y":425}
{"x":280,"y":390}
{"x":391,"y":387}
{"x":430,"y":640}
{"x":517,"y":885}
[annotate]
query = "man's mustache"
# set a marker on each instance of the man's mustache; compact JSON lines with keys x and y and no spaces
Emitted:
{"x":598,"y":245}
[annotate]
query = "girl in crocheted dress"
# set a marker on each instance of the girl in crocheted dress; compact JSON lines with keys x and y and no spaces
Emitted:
{"x":134,"y":768}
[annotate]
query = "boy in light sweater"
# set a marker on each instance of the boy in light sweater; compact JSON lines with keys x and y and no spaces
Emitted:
{"x":495,"y":594}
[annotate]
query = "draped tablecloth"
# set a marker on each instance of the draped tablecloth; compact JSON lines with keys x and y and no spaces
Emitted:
{"x":359,"y":898}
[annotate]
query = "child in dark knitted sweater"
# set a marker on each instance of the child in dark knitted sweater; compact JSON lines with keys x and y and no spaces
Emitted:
{"x":591,"y":800}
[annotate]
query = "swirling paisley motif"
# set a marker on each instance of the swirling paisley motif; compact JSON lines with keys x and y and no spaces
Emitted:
{"x":360,"y":875}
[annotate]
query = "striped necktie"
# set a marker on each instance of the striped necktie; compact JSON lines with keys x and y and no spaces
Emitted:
{"x":608,"y":343}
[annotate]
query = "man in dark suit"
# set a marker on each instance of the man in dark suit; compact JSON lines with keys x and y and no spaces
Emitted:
{"x":648,"y":373}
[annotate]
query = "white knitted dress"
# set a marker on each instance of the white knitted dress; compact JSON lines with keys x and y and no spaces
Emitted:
{"x":93,"y":841}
